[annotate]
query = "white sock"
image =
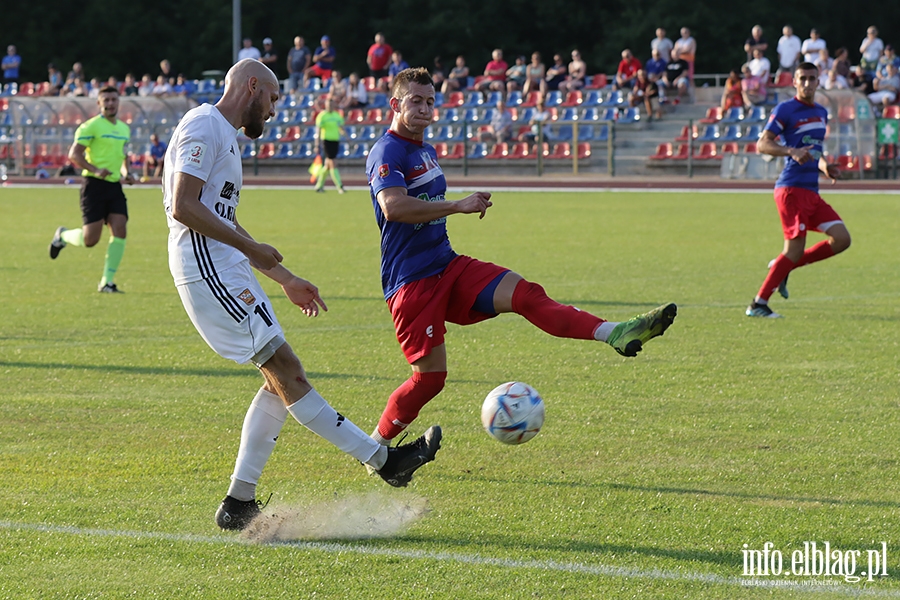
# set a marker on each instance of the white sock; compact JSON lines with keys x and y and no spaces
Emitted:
{"x":314,"y":413}
{"x":603,"y":331}
{"x":262,"y":424}
{"x":377,"y":437}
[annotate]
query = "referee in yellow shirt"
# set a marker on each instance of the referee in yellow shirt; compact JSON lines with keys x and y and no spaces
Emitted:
{"x":329,"y":124}
{"x":99,"y":150}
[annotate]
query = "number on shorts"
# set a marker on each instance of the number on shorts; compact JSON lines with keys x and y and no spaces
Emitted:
{"x":263,"y":312}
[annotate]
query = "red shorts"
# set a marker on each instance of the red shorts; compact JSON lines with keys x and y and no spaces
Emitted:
{"x":421,"y":308}
{"x":802,"y":210}
{"x":321,"y":73}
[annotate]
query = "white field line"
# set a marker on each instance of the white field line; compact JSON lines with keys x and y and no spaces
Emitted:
{"x":836,"y":586}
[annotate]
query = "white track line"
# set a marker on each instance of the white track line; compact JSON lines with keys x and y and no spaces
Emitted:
{"x":836,"y":586}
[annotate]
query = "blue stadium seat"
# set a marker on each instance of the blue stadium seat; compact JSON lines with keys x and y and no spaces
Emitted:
{"x":609,"y":114}
{"x":753,"y":132}
{"x":553,"y":98}
{"x":306,"y":101}
{"x":449,"y":115}
{"x":471,"y":115}
{"x":305,"y":150}
{"x":603,"y":134}
{"x":526,"y":114}
{"x":514,"y":98}
{"x":559,"y":133}
{"x":494,"y":98}
{"x":733,"y":115}
{"x":569,"y":114}
{"x":478,"y":150}
{"x":488,"y":115}
{"x":586,"y":133}
{"x":285,"y":150}
{"x":438,"y":98}
{"x":757,"y":114}
{"x":592,"y":98}
{"x":247,"y":151}
{"x":473,"y":99}
{"x":732,"y":134}
{"x":379,"y":100}
{"x":845,"y":130}
{"x":358,"y":151}
{"x":629,"y":115}
{"x":591,"y":114}
{"x":710,"y":134}
{"x":616,"y":98}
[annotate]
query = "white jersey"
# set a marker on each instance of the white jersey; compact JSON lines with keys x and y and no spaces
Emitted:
{"x":203,"y":145}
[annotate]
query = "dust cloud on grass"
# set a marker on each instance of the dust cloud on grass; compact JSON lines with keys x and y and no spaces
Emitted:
{"x":351,"y":518}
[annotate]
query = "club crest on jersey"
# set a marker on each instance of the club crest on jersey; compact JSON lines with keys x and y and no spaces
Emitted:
{"x":247,"y":297}
{"x":194,"y":154}
{"x":384,"y":170}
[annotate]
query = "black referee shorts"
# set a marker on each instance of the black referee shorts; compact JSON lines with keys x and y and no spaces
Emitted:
{"x":331,"y":148}
{"x":100,"y":198}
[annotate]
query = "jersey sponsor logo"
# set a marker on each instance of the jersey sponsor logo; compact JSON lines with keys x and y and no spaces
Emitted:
{"x":429,"y":331}
{"x":247,"y":297}
{"x":195,"y":155}
{"x":427,"y":198}
{"x":384,"y":170}
{"x":226,"y":211}
{"x":227,"y":190}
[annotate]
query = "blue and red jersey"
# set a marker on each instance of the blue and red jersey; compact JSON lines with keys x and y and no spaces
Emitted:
{"x":800,"y":125}
{"x":409,"y":251}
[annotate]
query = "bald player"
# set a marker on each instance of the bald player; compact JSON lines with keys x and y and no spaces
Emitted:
{"x":210,"y":257}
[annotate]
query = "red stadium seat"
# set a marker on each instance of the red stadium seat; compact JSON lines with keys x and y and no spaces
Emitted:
{"x":573,"y":98}
{"x":519,"y":150}
{"x":457,"y":152}
{"x":374,"y":116}
{"x":266,"y":150}
{"x":500,"y":150}
{"x":598,"y":82}
{"x":370,"y":84}
{"x":545,"y":150}
{"x":291,"y":133}
{"x":454,"y":99}
{"x":713,"y":115}
{"x":663,"y":151}
{"x":891,"y":112}
{"x":750,"y":148}
{"x":441,"y":149}
{"x":684,"y":134}
{"x":584,"y":150}
{"x":530,"y":101}
{"x":707,"y":151}
{"x":729,"y":148}
{"x":887,"y":152}
{"x":785,"y":79}
{"x":681,"y":153}
{"x":561,"y":150}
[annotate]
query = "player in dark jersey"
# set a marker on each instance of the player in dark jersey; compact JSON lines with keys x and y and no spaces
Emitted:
{"x":427,"y":284}
{"x":800,"y":122}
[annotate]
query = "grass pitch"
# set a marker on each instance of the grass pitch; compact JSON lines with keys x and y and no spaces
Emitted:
{"x":119,"y":427}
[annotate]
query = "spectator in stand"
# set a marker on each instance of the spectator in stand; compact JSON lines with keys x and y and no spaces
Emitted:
{"x":886,"y":88}
{"x":675,"y":77}
{"x":298,"y":61}
{"x":733,"y":96}
{"x":338,"y":87}
{"x":811,"y":46}
{"x":146,"y":87}
{"x":516,"y":75}
{"x":686,"y":49}
{"x":627,"y":71}
{"x":534,"y":75}
{"x":162,"y":88}
{"x":438,"y":72}
{"x":760,"y":65}
{"x":841,"y":63}
{"x":77,"y":71}
{"x":861,"y":81}
{"x":833,"y":81}
{"x":494,"y":74}
{"x":501,"y":126}
{"x":378,"y":58}
{"x":249,"y":50}
{"x":538,"y":118}
{"x":756,"y":41}
{"x":577,"y":74}
{"x":656,"y":66}
{"x":154,"y":157}
{"x":93,"y":88}
{"x":556,"y":74}
{"x":269,"y":56}
{"x":182,"y":86}
{"x":79,"y":89}
{"x":165,"y":69}
{"x":129,"y":86}
{"x":54,"y":80}
{"x":661,"y":43}
{"x":397,"y":65}
{"x":752,"y":87}
{"x":824,"y":62}
{"x":458,"y":79}
{"x":10,"y":65}
{"x":645,"y":92}
{"x":888,"y":58}
{"x":357,"y":95}
{"x":871,"y":49}
{"x":789,"y":54}
{"x":323,"y":61}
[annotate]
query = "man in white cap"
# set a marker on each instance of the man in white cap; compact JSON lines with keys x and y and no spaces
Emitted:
{"x":269,"y":56}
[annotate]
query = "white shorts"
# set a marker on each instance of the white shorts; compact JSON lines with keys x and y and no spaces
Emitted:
{"x":233,"y":314}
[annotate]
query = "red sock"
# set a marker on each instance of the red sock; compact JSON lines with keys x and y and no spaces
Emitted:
{"x":531,"y":301}
{"x":820,"y":251}
{"x":780,"y":269}
{"x":407,"y":400}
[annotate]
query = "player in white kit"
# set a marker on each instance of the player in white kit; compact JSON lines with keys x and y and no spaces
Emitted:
{"x":210,"y":256}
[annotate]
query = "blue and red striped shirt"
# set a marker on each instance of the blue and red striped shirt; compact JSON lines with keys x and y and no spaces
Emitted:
{"x":800,"y":125}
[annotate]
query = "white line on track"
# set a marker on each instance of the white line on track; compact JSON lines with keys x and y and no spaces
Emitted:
{"x":836,"y":587}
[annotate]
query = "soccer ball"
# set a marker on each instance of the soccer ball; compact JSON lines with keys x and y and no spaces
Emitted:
{"x":513,"y":413}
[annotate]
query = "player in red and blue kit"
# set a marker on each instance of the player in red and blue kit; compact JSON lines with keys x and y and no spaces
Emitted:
{"x":427,"y":284}
{"x":801,"y":124}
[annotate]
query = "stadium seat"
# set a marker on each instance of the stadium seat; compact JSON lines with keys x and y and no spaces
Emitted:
{"x":603,"y":134}
{"x":615,"y":99}
{"x":553,"y":98}
{"x":368,"y":132}
{"x":370,"y":83}
{"x":592,"y":98}
{"x":785,"y":79}
{"x":846,"y":113}
{"x":629,"y":116}
{"x":453,"y":99}
{"x":886,"y":152}
{"x":378,"y":100}
{"x":26,"y":89}
{"x":305,"y":150}
{"x":519,"y":150}
{"x":309,"y":134}
{"x":757,"y":114}
{"x":544,"y":150}
{"x":266,"y":150}
{"x":247,"y":151}
{"x":471,"y":115}
{"x":750,"y":148}
{"x":473,"y":100}
{"x":573,"y":98}
{"x":732,"y":134}
{"x":488,"y":115}
{"x":713,"y":115}
{"x":438,"y":98}
{"x":474,"y":81}
{"x":457,"y":152}
{"x":586,"y":133}
{"x":441,"y":149}
{"x":681,"y":153}
{"x":531,"y":99}
{"x":684,"y":134}
{"x":450,"y":115}
{"x":584,"y":150}
{"x":891,"y":112}
{"x":477,"y":151}
{"x":291,"y":133}
{"x":443,"y":133}
{"x":733,"y":115}
{"x":663,"y":151}
{"x":526,"y":114}
{"x":730,"y":148}
{"x":706,"y":151}
{"x":553,"y":112}
{"x":558,"y":133}
{"x":561,"y":151}
{"x":610,"y":114}
{"x":373,"y":116}
{"x":358,"y":151}
{"x":569,"y":114}
{"x":494,"y":98}
{"x":500,"y":150}
{"x":597,"y":82}
{"x":710,"y":133}
{"x":753,"y":132}
{"x":285,"y":150}
{"x":590,"y":114}
{"x":514,"y":98}
{"x":355,"y":115}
